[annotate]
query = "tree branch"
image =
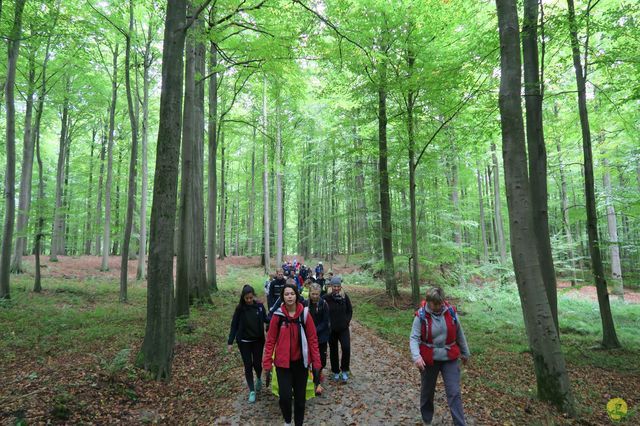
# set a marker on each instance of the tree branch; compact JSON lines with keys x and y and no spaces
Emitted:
{"x":460,"y":105}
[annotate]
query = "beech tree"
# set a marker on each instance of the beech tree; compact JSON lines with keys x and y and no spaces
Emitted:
{"x":551,"y":374}
{"x":10,"y":179}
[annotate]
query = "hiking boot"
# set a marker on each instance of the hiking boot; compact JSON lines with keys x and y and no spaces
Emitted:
{"x":336,"y":376}
{"x":258,"y":385}
{"x":252,"y":396}
{"x":345,"y":377}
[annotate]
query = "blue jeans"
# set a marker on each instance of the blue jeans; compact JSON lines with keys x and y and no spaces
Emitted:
{"x":451,"y":377}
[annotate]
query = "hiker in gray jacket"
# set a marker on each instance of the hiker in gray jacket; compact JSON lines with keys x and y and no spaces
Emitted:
{"x":437,"y":342}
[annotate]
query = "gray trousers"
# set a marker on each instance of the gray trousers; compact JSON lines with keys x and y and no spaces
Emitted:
{"x":451,"y":377}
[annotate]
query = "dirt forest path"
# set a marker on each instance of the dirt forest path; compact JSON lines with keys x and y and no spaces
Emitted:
{"x":384,"y":389}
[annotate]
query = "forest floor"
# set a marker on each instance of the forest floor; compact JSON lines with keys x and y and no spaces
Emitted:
{"x":66,"y":357}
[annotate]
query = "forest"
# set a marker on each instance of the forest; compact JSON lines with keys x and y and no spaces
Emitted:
{"x":157,"y":156}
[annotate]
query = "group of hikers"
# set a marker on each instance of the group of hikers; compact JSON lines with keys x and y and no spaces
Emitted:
{"x":305,"y":313}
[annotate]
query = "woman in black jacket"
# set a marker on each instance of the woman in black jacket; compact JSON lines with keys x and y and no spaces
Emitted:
{"x":319,"y":310}
{"x":247,"y":328}
{"x":340,"y":312}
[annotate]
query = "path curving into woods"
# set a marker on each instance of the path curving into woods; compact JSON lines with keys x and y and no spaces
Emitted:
{"x":384,"y":389}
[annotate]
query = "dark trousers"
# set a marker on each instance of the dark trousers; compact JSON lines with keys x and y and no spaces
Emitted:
{"x":323,"y":359}
{"x":451,"y":377}
{"x":252,"y":359}
{"x":292,"y":382}
{"x":344,"y":338}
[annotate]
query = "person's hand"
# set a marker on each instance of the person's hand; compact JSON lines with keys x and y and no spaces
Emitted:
{"x":465,"y":359}
{"x":229,"y":348}
{"x":420,"y":364}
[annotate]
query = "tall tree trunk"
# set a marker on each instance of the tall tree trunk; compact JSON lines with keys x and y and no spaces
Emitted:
{"x":565,"y":214}
{"x":385,"y":201}
{"x":252,"y":205}
{"x":157,"y":348}
{"x":37,"y":285}
{"x":185,"y":227}
{"x":415,"y":257}
{"x":237,"y":213}
{"x":212,"y":131}
{"x":497,"y":205}
{"x":10,"y":177}
{"x":222,"y":251}
{"x":361,"y":236}
{"x":537,"y":152}
{"x":612,"y":225}
{"x":279,"y":202}
{"x":483,"y":224}
{"x":609,"y":337}
{"x":57,"y":237}
{"x":98,"y":227}
{"x":550,"y":369}
{"x":106,"y":238}
{"x":116,"y":242}
{"x":87,"y":227}
{"x":199,"y":291}
{"x":142,"y":267}
{"x":191,"y":280}
{"x":131,"y":195}
{"x":65,"y":241}
{"x":26,"y":174}
{"x":457,"y":231}
{"x":265,"y":180}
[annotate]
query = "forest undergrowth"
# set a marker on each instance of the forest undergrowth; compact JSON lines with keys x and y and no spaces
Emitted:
{"x":66,"y":355}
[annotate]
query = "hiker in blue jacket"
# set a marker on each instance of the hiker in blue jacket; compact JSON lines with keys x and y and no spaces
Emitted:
{"x":319,"y":310}
{"x":247,"y":329}
{"x":437,"y":342}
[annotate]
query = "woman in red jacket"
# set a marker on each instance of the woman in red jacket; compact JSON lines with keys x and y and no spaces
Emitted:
{"x":292,"y":336}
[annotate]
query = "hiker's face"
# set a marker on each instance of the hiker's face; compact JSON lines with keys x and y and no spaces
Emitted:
{"x":289,"y":296}
{"x":336,"y":289}
{"x":314,"y":296}
{"x":280,"y":274}
{"x":248,"y":298}
{"x":435,"y":306}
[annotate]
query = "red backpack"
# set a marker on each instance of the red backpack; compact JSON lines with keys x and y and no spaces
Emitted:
{"x":426,"y":339}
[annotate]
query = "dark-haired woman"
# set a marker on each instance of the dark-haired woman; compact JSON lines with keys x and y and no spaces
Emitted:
{"x":292,"y":337}
{"x":247,"y":328}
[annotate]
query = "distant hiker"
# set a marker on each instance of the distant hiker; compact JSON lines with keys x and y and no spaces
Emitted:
{"x":247,"y":328}
{"x":321,"y":281}
{"x":329,"y":277}
{"x":267,"y":284}
{"x":278,"y":302}
{"x":306,"y":289}
{"x":292,"y":337}
{"x":319,"y":269}
{"x":304,"y":272}
{"x":319,"y":310}
{"x":340,"y":312}
{"x":437,"y":342}
{"x":286,"y":269}
{"x":275,"y":288}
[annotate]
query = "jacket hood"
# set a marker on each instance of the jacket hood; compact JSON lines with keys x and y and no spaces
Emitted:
{"x":283,"y":312}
